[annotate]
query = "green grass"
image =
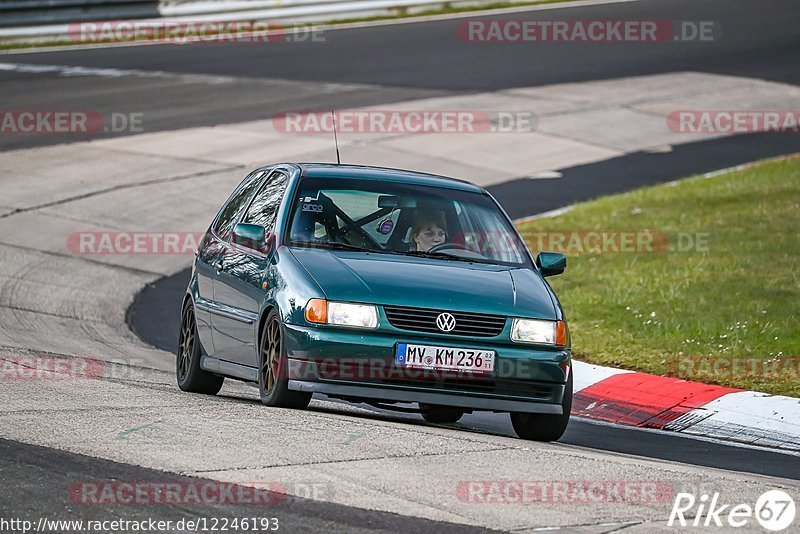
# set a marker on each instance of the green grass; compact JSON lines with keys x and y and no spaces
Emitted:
{"x":734,"y":301}
{"x":402,"y":13}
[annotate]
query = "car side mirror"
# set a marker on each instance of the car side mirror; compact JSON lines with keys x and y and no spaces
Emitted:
{"x":551,"y":263}
{"x":252,"y":236}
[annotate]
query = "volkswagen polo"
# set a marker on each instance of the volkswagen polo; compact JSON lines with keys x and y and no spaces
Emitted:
{"x":377,"y":286}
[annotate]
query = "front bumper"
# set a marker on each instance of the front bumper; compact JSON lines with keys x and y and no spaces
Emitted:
{"x":359,"y":365}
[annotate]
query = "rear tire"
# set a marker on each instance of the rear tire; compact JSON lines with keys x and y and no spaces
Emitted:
{"x":273,"y":376}
{"x":544,"y":427}
{"x":440,"y":414}
{"x":190,"y":376}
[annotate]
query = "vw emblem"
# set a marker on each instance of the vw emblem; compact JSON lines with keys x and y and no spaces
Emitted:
{"x":445,"y":322}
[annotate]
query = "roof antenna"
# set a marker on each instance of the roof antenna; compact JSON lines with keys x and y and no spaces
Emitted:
{"x":335,"y":138}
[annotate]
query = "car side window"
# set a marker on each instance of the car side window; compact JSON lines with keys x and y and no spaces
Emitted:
{"x":235,"y":205}
{"x":264,"y":208}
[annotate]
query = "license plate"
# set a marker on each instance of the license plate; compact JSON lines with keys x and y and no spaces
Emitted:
{"x":445,"y":358}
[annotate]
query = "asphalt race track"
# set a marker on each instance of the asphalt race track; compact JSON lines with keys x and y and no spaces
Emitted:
{"x":758,"y":40}
{"x":27,"y":465}
{"x":374,"y":463}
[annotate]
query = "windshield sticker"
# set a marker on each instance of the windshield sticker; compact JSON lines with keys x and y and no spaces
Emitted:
{"x":386,"y":227}
{"x":315,"y":208}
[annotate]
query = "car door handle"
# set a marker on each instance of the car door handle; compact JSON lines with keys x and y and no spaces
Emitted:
{"x":217,"y":265}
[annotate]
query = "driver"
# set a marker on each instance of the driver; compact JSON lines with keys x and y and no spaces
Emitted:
{"x":429,"y":229}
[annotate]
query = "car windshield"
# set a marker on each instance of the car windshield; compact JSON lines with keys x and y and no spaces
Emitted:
{"x":399,"y":218}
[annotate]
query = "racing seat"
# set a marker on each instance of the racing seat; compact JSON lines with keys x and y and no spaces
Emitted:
{"x":308,"y":215}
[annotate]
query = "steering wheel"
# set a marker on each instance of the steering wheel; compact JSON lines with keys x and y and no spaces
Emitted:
{"x":447,"y":246}
{"x":464,"y":252}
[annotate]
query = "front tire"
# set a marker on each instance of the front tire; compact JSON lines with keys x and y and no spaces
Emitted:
{"x":544,"y":427}
{"x":441,"y":414}
{"x":273,"y":376}
{"x":190,"y":376}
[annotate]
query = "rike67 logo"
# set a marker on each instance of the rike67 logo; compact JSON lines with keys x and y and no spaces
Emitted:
{"x":774,"y":511}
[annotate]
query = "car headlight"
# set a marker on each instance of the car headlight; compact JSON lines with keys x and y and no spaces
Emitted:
{"x":323,"y":311}
{"x":538,"y":331}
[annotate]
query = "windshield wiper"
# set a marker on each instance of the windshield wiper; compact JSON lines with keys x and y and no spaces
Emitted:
{"x":345,"y":246}
{"x":437,"y":255}
{"x":331,"y":244}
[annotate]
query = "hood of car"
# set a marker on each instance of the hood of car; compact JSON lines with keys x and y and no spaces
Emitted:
{"x":428,"y":283}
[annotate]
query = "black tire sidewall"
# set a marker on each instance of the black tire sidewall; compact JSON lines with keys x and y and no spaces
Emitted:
{"x":196,"y":379}
{"x":280,"y":383}
{"x":194,"y":358}
{"x":441,"y":415}
{"x":545,"y":427}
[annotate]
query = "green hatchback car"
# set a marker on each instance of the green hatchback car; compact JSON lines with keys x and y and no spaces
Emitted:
{"x":377,"y":286}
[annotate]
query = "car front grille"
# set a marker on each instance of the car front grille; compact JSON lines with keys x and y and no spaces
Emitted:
{"x":424,"y":320}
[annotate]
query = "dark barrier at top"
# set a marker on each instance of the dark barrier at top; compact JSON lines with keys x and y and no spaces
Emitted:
{"x":41,"y":12}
